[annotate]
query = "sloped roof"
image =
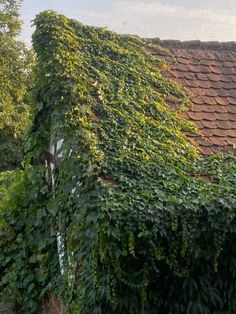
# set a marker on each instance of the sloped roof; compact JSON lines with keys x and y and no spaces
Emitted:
{"x":208,"y":71}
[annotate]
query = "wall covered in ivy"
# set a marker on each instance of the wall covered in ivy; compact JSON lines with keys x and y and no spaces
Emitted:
{"x":140,"y":231}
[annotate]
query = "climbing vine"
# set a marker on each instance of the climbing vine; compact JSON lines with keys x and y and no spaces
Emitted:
{"x":141,"y":231}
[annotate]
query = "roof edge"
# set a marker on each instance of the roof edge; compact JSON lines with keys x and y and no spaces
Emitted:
{"x":195,"y":44}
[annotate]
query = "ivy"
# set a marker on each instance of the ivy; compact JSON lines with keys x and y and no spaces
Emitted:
{"x":141,"y":230}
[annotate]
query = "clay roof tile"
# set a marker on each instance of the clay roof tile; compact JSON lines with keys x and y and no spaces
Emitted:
{"x":209,"y":100}
{"x":208,"y":116}
{"x":208,"y":71}
{"x":195,"y":116}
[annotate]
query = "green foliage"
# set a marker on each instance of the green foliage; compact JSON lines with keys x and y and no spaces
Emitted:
{"x":15,"y":63}
{"x":28,"y":243}
{"x":9,"y":17}
{"x":141,"y":231}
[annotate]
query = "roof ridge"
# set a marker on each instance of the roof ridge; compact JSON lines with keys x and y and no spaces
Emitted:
{"x":195,"y":44}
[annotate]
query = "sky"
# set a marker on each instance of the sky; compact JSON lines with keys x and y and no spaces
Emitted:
{"x":167,"y":19}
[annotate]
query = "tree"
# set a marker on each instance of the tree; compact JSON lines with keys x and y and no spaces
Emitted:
{"x":9,"y":17}
{"x":15,"y":80}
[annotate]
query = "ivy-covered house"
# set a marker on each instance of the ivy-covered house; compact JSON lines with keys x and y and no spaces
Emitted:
{"x":207,"y":70}
{"x":136,"y":219}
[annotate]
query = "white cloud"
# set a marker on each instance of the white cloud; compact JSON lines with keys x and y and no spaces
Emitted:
{"x":172,"y":19}
{"x":158,"y":19}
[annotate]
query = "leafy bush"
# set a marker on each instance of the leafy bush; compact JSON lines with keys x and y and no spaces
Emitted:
{"x":15,"y":69}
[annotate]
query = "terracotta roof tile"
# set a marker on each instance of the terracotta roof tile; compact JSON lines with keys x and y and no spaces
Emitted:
{"x":228,"y":71}
{"x":219,"y":132}
{"x":226,"y":78}
{"x":197,"y":100}
{"x":204,"y":69}
{"x":208,"y":116}
{"x":190,"y":76}
{"x":222,"y":116}
{"x":218,"y":141}
{"x":228,"y":85}
{"x":195,"y":116}
{"x":202,"y":76}
{"x":178,"y":74}
{"x":208,"y":62}
{"x":232,"y":117}
{"x":232,"y":100}
{"x":224,"y":92}
{"x":214,"y":77}
{"x":211,"y":93}
{"x":231,"y":133}
{"x":221,"y":109}
{"x":197,"y":108}
{"x":208,"y":108}
{"x":232,"y":125}
{"x":204,"y":84}
{"x":199,"y":124}
{"x":222,"y":101}
{"x":191,"y":83}
{"x":204,"y":141}
{"x":183,"y":60}
{"x":209,"y":100}
{"x":233,"y":93}
{"x":208,"y":71}
{"x":231,"y":141}
{"x":209,"y":124}
{"x":207,"y":150}
{"x":216,"y":70}
{"x":198,"y":91}
{"x":232,"y":108}
{"x":208,"y":132}
{"x":224,"y":124}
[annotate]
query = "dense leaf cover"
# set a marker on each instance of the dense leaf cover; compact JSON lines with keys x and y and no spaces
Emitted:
{"x":141,"y":231}
{"x":15,"y":63}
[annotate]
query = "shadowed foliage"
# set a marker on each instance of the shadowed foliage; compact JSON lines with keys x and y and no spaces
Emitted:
{"x":138,"y":234}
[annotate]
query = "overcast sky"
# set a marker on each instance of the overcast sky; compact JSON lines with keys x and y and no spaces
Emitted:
{"x":166,"y":19}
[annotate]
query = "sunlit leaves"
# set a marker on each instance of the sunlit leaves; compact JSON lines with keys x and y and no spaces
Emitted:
{"x":142,"y":231}
{"x":15,"y":62}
